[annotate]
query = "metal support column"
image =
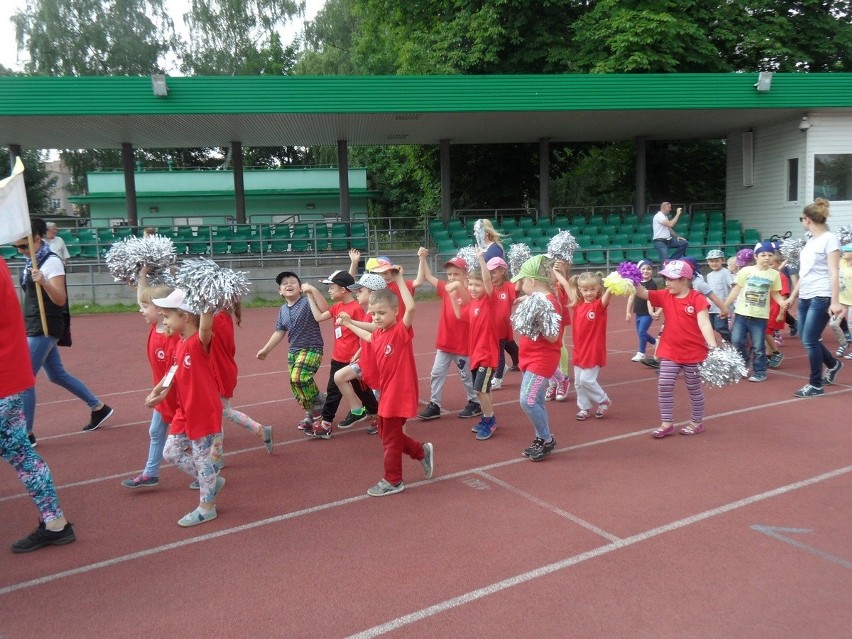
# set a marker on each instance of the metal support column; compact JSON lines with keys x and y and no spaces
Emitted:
{"x":446,"y":199}
{"x":239,"y":181}
{"x":343,"y":180}
{"x":544,"y":178}
{"x":129,"y":167}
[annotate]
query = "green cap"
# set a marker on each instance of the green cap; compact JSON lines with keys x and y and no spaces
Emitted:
{"x":532,"y":269}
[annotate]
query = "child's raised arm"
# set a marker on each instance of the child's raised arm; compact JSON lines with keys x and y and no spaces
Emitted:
{"x":423,"y":270}
{"x":641,"y":292}
{"x":357,"y":328}
{"x":605,"y":298}
{"x":354,"y":258}
{"x":142,"y":283}
{"x":205,"y":329}
{"x":483,"y":267}
{"x":317,"y":302}
{"x":407,"y":299}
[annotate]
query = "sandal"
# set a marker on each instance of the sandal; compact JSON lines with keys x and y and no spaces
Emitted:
{"x":582,"y":415}
{"x":663,"y":431}
{"x":692,"y":429}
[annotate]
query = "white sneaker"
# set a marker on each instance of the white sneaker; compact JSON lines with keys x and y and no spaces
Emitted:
{"x":496,"y":383}
{"x":638,"y":357}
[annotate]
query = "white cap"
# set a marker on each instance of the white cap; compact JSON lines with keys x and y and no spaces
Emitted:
{"x":175,"y":299}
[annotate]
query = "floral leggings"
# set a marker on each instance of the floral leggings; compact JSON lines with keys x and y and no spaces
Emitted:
{"x":240,"y":419}
{"x":31,"y":468}
{"x":195,"y":458}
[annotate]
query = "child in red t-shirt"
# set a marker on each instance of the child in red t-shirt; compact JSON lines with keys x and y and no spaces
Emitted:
{"x":539,"y":358}
{"x":683,"y":345}
{"x":451,"y":342}
{"x":777,"y":317}
{"x":504,"y":297}
{"x":361,"y":370}
{"x":345,"y":347}
{"x":394,"y":358}
{"x":199,"y":412}
{"x":161,"y":349}
{"x":223,"y":351}
{"x":589,"y":302}
{"x":483,"y":343}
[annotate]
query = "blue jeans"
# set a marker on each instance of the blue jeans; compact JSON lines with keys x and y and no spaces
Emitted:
{"x":643,"y":323}
{"x":533,"y":388}
{"x":813,"y":318}
{"x":720,"y":325}
{"x":756,"y":329}
{"x":158,"y":431}
{"x":45,"y":354}
{"x":678,"y":245}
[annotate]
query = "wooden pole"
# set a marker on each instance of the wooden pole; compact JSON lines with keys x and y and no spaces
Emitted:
{"x":39,"y":293}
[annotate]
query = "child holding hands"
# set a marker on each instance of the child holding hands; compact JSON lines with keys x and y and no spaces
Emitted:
{"x":397,"y":376}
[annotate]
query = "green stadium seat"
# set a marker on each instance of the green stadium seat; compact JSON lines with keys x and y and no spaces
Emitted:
{"x":198,"y":247}
{"x":300,"y":238}
{"x":220,"y":247}
{"x":446,"y":247}
{"x":280,"y":242}
{"x":184,"y":233}
{"x":73,"y":246}
{"x":123,"y":232}
{"x":751,"y":236}
{"x":239,"y":246}
{"x":460,"y":237}
{"x":180,"y":247}
{"x":203,"y":232}
{"x":525,"y":224}
{"x":359,"y":236}
{"x":105,"y":235}
{"x":620,"y":239}
{"x":89,"y":249}
{"x":454,"y":225}
{"x":580,"y":258}
{"x":86,"y":235}
{"x":65,"y":234}
{"x":321,"y":235}
{"x":561,"y":222}
{"x":634,"y":254}
{"x":439,"y":236}
{"x":7,"y":251}
{"x":339,"y":237}
{"x":435,"y":225}
{"x":166,"y":231}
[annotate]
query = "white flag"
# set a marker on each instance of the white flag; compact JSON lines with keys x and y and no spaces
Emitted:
{"x":14,"y":212}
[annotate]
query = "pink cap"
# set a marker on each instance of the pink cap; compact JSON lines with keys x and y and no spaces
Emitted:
{"x":677,"y":269}
{"x":496,"y":262}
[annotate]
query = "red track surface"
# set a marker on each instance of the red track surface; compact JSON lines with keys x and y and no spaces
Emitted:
{"x":614,"y":535}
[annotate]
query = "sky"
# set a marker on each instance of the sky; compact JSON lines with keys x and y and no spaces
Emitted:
{"x":9,"y":56}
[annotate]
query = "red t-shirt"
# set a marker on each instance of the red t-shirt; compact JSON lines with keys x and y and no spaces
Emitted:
{"x":161,"y":356}
{"x":223,"y":349}
{"x":540,"y":356}
{"x":771,"y":324}
{"x":504,"y":297}
{"x":589,"y":334}
{"x":394,"y":287}
{"x":345,"y":341}
{"x":367,"y":362}
{"x":199,"y":410}
{"x":16,"y":373}
{"x":452,"y":334}
{"x":394,"y":356}
{"x":484,"y":345}
{"x":681,"y":341}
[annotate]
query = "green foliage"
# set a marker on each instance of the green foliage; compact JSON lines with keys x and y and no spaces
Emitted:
{"x":38,"y":182}
{"x":594,"y":174}
{"x":94,"y":37}
{"x":327,"y":43}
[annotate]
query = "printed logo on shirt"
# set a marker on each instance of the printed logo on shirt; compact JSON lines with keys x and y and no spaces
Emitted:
{"x":503,"y":296}
{"x":590,"y":315}
{"x":186,"y":361}
{"x":160,"y":354}
{"x":388,"y":350}
{"x":689,"y":309}
{"x":476,"y":312}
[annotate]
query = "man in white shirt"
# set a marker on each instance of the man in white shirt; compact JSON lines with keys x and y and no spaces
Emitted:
{"x":665,"y":238}
{"x":56,"y":243}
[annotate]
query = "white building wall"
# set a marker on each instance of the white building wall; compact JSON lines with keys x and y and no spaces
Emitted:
{"x":764,"y":205}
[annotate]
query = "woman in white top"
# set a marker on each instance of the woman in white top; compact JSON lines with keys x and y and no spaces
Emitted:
{"x":818,"y":291}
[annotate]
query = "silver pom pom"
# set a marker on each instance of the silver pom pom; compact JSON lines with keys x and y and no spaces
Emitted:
{"x":562,"y":246}
{"x":468,"y":254}
{"x":127,"y":256}
{"x":790,"y":249}
{"x":724,"y":366}
{"x":209,"y":287}
{"x":479,"y":233}
{"x":535,"y":316}
{"x":517,"y":255}
{"x":844,"y":234}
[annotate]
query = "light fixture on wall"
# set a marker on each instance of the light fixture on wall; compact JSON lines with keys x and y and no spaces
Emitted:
{"x":158,"y":85}
{"x":804,"y":124}
{"x":764,"y":82}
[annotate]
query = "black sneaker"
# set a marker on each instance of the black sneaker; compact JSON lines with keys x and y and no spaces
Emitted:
{"x":32,"y":439}
{"x":432,"y":411}
{"x":41,"y":537}
{"x":471,"y":410}
{"x":98,"y":417}
{"x":537,"y":443}
{"x":543,"y":450}
{"x":650,"y":362}
{"x":353,"y":418}
{"x":809,"y":391}
{"x":831,"y":373}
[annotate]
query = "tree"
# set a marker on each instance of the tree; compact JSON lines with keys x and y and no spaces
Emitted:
{"x":37,"y":181}
{"x":327,"y":45}
{"x":94,"y":37}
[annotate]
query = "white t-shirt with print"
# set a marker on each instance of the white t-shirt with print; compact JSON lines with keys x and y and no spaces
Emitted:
{"x":813,"y":266}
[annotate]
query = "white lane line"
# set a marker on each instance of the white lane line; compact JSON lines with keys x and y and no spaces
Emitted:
{"x":549,"y":507}
{"x":537,"y":573}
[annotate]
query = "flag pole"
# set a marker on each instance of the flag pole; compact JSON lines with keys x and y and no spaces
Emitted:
{"x":39,"y":293}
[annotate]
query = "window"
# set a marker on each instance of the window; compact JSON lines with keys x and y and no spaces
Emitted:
{"x":833,"y":176}
{"x":793,"y":180}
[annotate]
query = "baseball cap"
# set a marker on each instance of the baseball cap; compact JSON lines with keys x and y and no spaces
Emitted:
{"x":457,"y":262}
{"x":532,"y":269}
{"x":714,"y":255}
{"x":341,"y":278}
{"x":381,"y":265}
{"x":642,"y":263}
{"x":764,"y":247}
{"x":676,"y":269}
{"x":175,"y":299}
{"x":370,"y":281}
{"x":284,"y":274}
{"x":496,"y":262}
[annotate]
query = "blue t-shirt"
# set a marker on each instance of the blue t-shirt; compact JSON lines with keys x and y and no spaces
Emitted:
{"x":494,"y":250}
{"x":301,"y":327}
